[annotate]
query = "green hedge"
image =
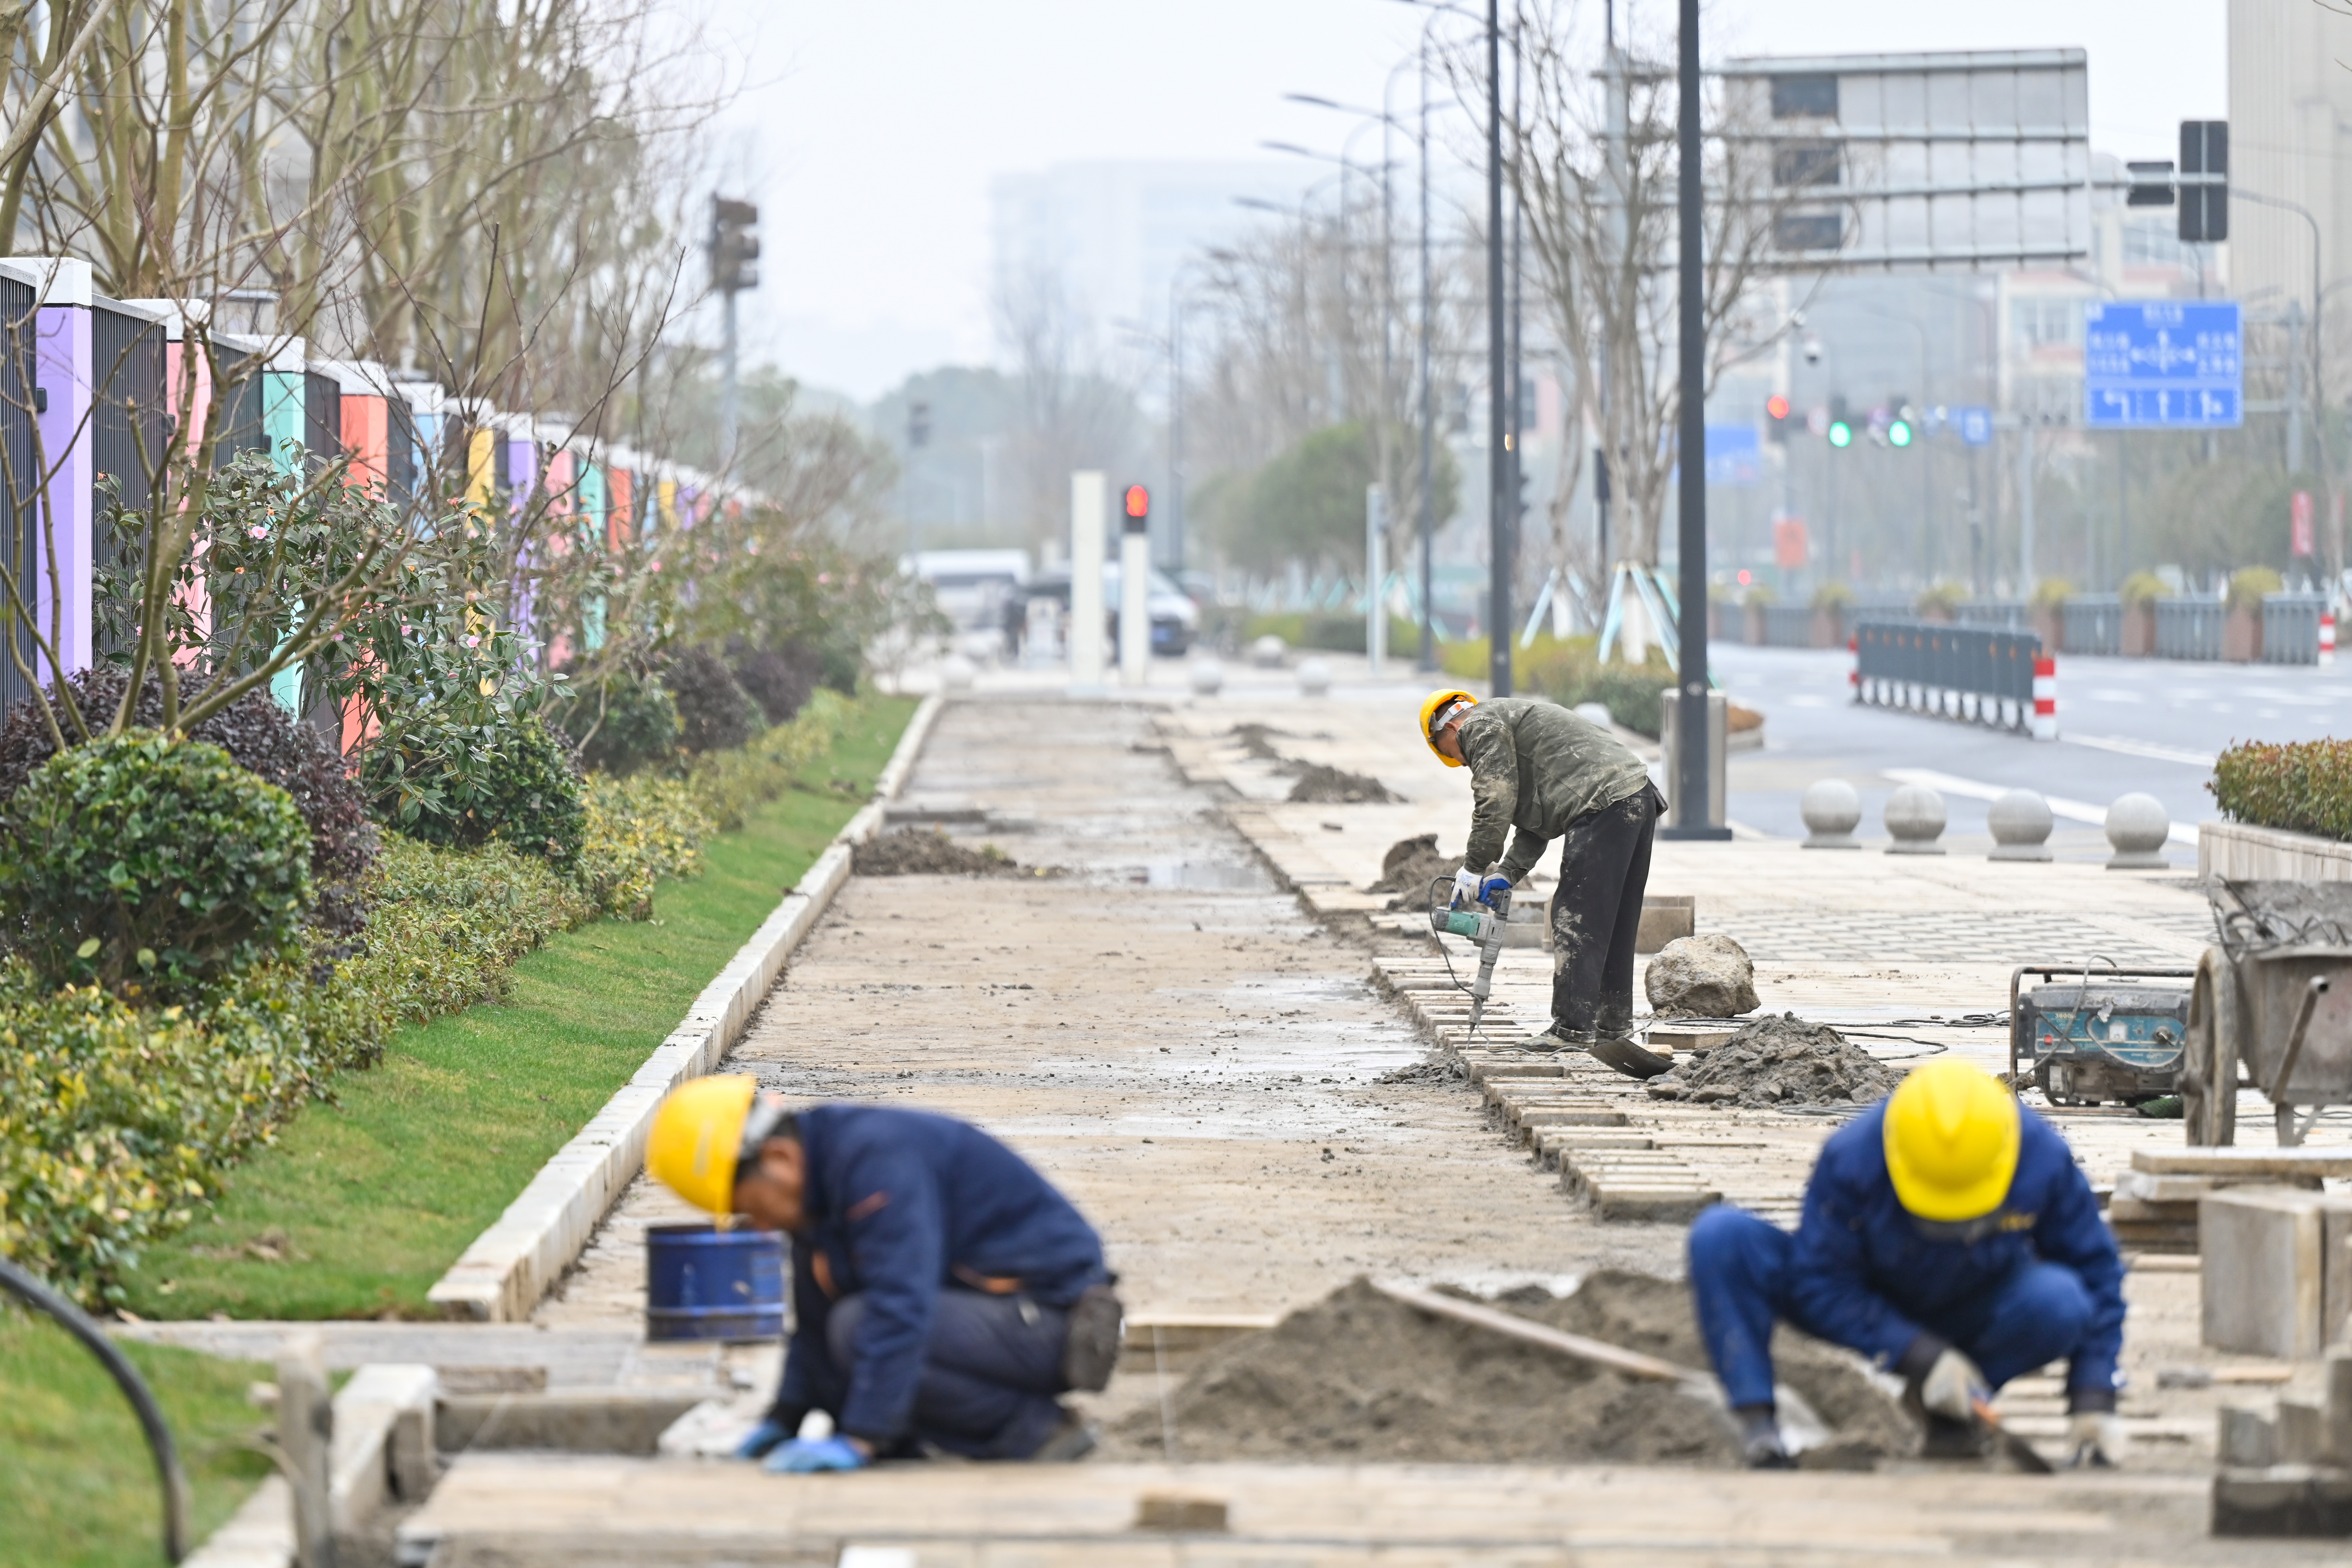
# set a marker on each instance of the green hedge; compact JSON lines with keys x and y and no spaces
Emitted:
{"x":2302,"y":786}
{"x":1327,"y":631}
{"x":118,"y":1124}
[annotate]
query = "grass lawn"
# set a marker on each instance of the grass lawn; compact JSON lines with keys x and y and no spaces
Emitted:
{"x":360,"y":1206}
{"x":77,"y":1487}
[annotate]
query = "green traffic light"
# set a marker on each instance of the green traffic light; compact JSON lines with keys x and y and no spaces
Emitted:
{"x":1840,"y":434}
{"x":1898,"y":434}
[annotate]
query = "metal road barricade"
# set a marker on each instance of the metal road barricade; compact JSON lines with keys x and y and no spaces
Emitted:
{"x":2190,"y":628}
{"x":2093,"y":624}
{"x":1954,"y":672}
{"x":2290,"y":628}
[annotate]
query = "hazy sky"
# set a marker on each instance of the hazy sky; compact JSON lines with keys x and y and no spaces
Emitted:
{"x":868,"y":132}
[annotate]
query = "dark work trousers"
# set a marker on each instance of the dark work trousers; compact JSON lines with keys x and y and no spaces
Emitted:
{"x":1604,"y":865}
{"x":991,"y":1369}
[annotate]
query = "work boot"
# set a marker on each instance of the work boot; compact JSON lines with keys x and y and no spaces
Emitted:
{"x":1558,"y":1037}
{"x":1760,"y":1440}
{"x":1070,"y":1440}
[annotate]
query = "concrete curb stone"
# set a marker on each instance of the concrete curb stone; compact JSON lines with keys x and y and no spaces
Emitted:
{"x":501,"y":1277}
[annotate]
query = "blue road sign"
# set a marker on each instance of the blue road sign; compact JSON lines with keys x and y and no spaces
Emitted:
{"x":2177,"y":364}
{"x":1974,"y":424}
{"x":1734,"y":456}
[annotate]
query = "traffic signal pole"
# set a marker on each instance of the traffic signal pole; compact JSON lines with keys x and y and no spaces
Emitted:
{"x":1691,"y":795}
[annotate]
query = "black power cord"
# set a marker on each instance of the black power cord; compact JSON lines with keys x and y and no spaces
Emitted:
{"x":81,"y":1326}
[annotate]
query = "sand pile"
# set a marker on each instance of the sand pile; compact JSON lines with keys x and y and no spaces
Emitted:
{"x":1360,"y":1377}
{"x":1779,"y":1061}
{"x":1409,"y":867}
{"x":1319,"y":785}
{"x":1432,"y":1068}
{"x":928,"y":852}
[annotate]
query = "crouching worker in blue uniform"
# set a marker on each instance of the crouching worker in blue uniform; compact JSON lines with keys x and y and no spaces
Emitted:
{"x":1947,"y":1236}
{"x":943,"y":1293}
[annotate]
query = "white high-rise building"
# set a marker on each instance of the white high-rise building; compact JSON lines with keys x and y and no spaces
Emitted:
{"x":2290,"y":138}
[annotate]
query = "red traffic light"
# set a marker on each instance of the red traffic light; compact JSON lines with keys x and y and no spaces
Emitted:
{"x":1139,"y":502}
{"x":1777,"y":406}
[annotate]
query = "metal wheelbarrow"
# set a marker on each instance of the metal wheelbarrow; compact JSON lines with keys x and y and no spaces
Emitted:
{"x":2272,"y":1000}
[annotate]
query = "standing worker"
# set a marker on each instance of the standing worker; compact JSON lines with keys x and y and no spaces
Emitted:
{"x":943,"y":1292}
{"x":1948,"y":1236}
{"x":1538,"y":773}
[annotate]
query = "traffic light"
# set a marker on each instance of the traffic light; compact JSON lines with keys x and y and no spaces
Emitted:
{"x":2204,"y":181}
{"x":1776,"y":418}
{"x":1902,"y":425}
{"x":1841,"y":427}
{"x":1139,"y":507}
{"x":734,"y":248}
{"x":918,"y":425}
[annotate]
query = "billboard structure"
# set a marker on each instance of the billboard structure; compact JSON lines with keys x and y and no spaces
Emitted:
{"x":1921,"y":162}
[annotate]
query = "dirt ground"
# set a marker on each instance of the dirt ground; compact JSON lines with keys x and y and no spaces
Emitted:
{"x":1192,"y":1058}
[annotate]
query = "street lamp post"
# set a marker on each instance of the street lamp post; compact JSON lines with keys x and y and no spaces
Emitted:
{"x":1692,"y":737}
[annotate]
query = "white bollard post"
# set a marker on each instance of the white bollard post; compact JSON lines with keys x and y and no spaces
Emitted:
{"x":1135,"y":594}
{"x":1376,"y":574}
{"x":1086,"y":582}
{"x":2045,"y":699}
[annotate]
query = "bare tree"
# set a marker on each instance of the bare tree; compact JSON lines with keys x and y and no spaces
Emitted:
{"x":1602,"y":240}
{"x":1076,"y":410}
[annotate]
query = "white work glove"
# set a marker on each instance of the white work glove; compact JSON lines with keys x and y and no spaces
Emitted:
{"x":1953,"y":1387}
{"x":2096,"y":1439}
{"x":1465,"y":887}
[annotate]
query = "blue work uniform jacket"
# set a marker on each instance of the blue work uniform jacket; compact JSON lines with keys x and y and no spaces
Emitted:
{"x":899,"y":1205}
{"x":1865,"y":1273}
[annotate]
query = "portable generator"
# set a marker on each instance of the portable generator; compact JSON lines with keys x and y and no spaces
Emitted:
{"x":2091,"y":1037}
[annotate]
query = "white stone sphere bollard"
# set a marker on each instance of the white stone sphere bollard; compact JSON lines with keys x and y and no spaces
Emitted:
{"x":2020,"y":823}
{"x":1598,"y":712}
{"x":1207,"y":675}
{"x":957,"y":673}
{"x":2138,"y":826}
{"x":1267,"y":652}
{"x":1314,"y":678}
{"x":1914,"y":820}
{"x":1832,"y":810}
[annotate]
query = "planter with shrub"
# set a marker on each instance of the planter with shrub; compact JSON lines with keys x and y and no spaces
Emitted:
{"x":1833,"y":607}
{"x":2139,"y":596}
{"x":2241,"y":630}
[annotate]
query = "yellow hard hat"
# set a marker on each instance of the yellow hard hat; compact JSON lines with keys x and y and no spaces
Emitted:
{"x":697,"y":1133}
{"x":1435,"y":700}
{"x":1952,"y":1136}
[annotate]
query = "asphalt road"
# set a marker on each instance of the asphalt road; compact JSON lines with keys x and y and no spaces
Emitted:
{"x":2126,"y":724}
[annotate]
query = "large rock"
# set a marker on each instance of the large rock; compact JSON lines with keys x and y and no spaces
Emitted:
{"x":1701,"y":977}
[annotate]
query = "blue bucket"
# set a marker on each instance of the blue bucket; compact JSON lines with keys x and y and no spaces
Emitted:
{"x":704,"y":1283}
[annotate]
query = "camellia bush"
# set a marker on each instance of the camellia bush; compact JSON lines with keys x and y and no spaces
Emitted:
{"x":151,"y":865}
{"x":2302,"y":786}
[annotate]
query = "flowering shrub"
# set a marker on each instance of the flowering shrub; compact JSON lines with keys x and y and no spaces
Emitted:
{"x":2302,"y":786}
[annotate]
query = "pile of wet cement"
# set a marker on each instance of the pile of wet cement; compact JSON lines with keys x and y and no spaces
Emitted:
{"x":1319,"y":785}
{"x":1361,"y":1376}
{"x":1779,"y":1061}
{"x":928,"y":852}
{"x":1411,"y":865}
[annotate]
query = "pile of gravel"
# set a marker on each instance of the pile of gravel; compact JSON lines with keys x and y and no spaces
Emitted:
{"x":1361,"y":1376}
{"x":928,"y":852}
{"x":1319,"y":785}
{"x":1778,"y":1061}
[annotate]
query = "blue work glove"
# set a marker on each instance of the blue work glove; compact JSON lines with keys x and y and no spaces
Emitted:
{"x":760,"y":1438}
{"x":805,"y":1455}
{"x":1491,"y":886}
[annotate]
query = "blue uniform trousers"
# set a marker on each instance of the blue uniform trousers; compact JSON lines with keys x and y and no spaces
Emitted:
{"x":1740,"y":1281}
{"x":991,"y":1369}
